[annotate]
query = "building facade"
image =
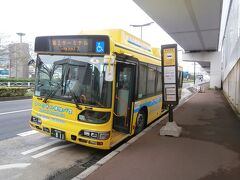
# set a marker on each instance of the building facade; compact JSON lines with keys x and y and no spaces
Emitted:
{"x":231,"y":55}
{"x":19,"y":57}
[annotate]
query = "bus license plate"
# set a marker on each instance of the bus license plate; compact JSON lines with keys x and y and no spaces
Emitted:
{"x":58,"y":134}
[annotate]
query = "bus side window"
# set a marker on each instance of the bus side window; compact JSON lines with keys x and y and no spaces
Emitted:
{"x":142,"y":87}
{"x":159,"y":80}
{"x":151,"y":82}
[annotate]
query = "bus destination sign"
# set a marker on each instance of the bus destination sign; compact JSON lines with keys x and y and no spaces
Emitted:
{"x":70,"y":45}
{"x":91,"y":44}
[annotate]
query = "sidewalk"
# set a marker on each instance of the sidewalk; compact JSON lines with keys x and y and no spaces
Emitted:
{"x":208,"y":149}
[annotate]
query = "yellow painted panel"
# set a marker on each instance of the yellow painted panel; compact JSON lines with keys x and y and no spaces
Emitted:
{"x":169,"y":56}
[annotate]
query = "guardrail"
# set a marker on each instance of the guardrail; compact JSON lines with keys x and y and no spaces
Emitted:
{"x":17,"y":84}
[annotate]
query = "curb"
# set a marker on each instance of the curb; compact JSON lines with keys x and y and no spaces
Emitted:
{"x":106,"y":158}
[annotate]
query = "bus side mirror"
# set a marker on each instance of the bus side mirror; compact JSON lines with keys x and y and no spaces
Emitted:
{"x":32,"y":61}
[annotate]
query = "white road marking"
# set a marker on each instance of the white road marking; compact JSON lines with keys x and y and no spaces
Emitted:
{"x":27,"y":133}
{"x":12,"y":112}
{"x":40,"y":147}
{"x":11,"y":166}
{"x":52,"y":150}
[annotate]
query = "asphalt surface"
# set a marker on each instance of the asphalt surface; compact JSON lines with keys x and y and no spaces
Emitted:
{"x":15,"y":105}
{"x":14,"y":116}
{"x":26,"y":154}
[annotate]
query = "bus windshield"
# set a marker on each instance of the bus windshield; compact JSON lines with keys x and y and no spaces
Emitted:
{"x":79,"y":79}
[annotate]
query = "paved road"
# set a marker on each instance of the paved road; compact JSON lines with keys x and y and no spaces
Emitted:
{"x":16,"y":105}
{"x":27,"y":154}
{"x":14,"y":116}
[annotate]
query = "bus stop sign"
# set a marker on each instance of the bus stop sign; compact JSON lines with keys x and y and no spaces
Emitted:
{"x":170,"y":74}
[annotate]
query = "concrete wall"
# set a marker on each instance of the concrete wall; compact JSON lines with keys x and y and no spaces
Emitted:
{"x":231,"y":55}
{"x":231,"y":86}
{"x":215,"y":65}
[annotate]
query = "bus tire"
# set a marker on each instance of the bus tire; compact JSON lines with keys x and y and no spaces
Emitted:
{"x":140,"y":121}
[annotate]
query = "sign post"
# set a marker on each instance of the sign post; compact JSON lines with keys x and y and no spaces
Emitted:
{"x":170,"y":87}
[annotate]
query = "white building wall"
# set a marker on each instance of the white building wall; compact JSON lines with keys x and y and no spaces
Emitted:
{"x":215,"y":71}
{"x":231,"y":86}
{"x":231,"y":55}
{"x":225,"y":86}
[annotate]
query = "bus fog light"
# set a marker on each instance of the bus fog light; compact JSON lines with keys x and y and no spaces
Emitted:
{"x":99,"y":143}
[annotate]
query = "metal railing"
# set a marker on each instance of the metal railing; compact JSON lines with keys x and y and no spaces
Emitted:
{"x":17,"y":84}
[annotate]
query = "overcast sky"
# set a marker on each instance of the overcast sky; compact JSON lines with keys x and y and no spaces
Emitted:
{"x":69,"y":17}
{"x":56,"y":17}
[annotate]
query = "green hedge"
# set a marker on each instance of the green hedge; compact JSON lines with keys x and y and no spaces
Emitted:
{"x":12,"y":91}
{"x":16,"y":80}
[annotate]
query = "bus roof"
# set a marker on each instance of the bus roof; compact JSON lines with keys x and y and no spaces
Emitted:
{"x":122,"y":37}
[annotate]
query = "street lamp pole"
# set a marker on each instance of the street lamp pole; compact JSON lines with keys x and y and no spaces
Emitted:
{"x":21,"y":35}
{"x":141,"y":26}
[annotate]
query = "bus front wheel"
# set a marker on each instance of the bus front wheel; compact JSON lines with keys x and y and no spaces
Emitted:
{"x":140,"y":122}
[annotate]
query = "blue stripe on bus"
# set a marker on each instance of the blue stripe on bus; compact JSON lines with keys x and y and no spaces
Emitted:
{"x":148,"y":104}
{"x":138,"y":45}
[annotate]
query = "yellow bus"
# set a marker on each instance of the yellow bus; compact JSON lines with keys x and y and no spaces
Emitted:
{"x":97,"y":88}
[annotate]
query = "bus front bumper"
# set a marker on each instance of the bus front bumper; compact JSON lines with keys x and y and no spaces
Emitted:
{"x":71,"y":136}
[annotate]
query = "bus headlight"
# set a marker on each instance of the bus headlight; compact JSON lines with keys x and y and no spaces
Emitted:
{"x":104,"y":135}
{"x":95,"y":117}
{"x":36,"y":120}
{"x":95,"y":135}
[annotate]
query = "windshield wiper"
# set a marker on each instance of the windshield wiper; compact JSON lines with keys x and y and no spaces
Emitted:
{"x":52,"y":93}
{"x":75,"y":99}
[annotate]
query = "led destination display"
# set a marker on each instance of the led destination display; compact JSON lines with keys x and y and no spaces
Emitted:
{"x":73,"y":44}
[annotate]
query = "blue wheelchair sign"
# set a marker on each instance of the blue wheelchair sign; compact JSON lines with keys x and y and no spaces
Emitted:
{"x":100,"y":47}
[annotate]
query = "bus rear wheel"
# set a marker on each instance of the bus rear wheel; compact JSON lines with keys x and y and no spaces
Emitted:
{"x":140,"y":122}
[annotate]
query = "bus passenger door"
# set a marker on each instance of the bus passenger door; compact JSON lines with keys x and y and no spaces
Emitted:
{"x":124,"y":95}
